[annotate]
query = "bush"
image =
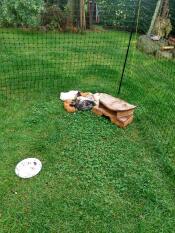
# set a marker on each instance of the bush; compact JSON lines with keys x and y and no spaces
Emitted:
{"x":119,"y":14}
{"x":53,"y":18}
{"x":20,"y":12}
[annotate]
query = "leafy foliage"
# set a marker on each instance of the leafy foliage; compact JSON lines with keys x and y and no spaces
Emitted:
{"x":20,"y":12}
{"x":118,"y":13}
{"x":121,"y":13}
{"x":172,"y":15}
{"x":56,"y":18}
{"x":60,"y":3}
{"x":53,"y":18}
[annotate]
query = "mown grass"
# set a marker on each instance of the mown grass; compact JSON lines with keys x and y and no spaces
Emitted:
{"x":76,"y":60}
{"x":96,"y":177}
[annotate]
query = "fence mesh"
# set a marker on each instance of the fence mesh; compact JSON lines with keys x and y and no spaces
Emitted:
{"x":86,"y":49}
{"x":68,"y":54}
{"x":96,"y":177}
{"x":149,"y":81}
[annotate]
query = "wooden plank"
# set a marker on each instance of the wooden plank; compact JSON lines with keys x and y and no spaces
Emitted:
{"x":125,"y":113}
{"x":115,"y":104}
{"x":167,"y":48}
{"x":121,"y":122}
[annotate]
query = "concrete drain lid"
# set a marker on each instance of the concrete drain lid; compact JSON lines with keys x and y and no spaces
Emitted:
{"x":28,"y":168}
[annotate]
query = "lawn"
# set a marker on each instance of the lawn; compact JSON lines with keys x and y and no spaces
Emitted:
{"x":96,"y":177}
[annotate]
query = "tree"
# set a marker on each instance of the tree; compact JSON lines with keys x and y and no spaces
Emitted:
{"x":20,"y":12}
{"x":82,"y":15}
{"x":157,"y":9}
{"x":161,"y":23}
{"x":119,"y":14}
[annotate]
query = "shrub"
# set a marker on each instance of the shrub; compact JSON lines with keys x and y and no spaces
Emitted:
{"x":20,"y":12}
{"x":119,"y":14}
{"x":53,"y":18}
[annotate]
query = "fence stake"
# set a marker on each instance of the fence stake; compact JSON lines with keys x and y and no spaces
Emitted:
{"x":125,"y":62}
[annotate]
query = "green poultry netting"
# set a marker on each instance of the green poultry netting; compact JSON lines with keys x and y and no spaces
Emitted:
{"x":95,"y":177}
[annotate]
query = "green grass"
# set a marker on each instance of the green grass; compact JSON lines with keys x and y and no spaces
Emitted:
{"x":96,"y":177}
{"x":76,"y":60}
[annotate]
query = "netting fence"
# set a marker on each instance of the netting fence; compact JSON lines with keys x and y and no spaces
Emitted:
{"x":89,"y":45}
{"x":151,"y":80}
{"x":69,"y":47}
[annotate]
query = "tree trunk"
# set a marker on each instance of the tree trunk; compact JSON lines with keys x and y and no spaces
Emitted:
{"x":70,"y":15}
{"x":156,"y":13}
{"x":165,"y":9}
{"x":161,"y":23}
{"x":82,"y":15}
{"x":91,"y":6}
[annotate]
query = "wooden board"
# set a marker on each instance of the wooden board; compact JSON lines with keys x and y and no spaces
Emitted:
{"x":117,"y":114}
{"x":125,"y":113}
{"x":167,"y":48}
{"x":115,"y":104}
{"x":122,"y":122}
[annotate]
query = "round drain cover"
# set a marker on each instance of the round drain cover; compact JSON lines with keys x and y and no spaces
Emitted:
{"x":28,"y":168}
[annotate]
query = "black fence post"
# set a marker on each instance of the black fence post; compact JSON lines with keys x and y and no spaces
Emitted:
{"x":134,"y":29}
{"x":125,"y":62}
